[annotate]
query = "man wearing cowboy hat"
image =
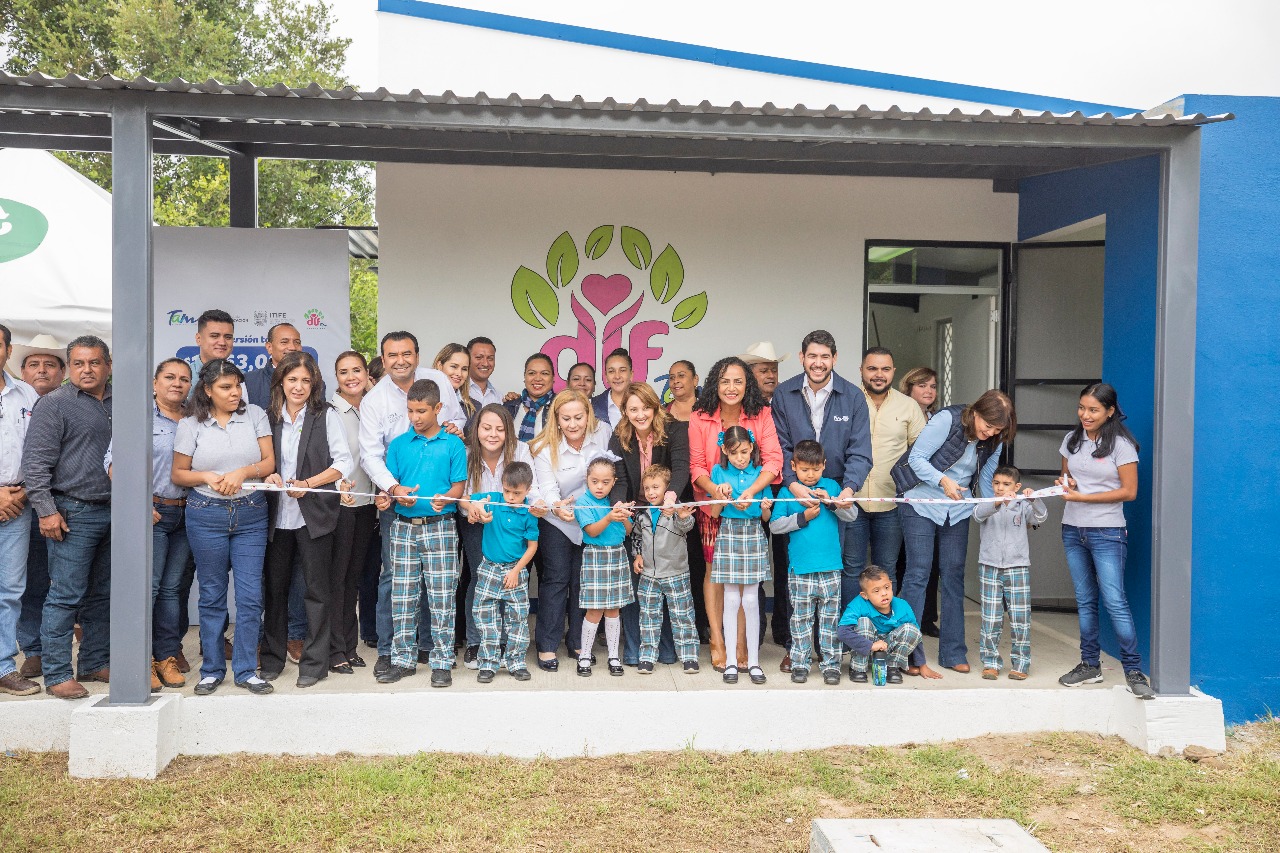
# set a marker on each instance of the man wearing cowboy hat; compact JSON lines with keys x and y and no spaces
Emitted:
{"x":39,"y":363}
{"x":43,"y":368}
{"x":763,"y":360}
{"x":764,"y":364}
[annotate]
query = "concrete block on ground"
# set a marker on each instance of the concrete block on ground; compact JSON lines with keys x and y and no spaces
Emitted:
{"x":921,"y":836}
{"x":124,"y":741}
{"x":1172,"y":721}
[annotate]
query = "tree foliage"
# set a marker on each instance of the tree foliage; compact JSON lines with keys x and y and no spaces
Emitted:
{"x":268,"y":42}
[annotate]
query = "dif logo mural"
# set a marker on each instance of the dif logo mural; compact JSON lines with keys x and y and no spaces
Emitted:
{"x":605,"y":302}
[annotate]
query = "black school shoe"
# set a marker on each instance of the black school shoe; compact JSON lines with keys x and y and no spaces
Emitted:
{"x":441,"y":678}
{"x":691,"y":667}
{"x":831,"y":676}
{"x":893,"y":675}
{"x":395,"y":673}
{"x":381,"y":665}
{"x":485,"y":676}
{"x":521,"y":674}
{"x":615,"y":667}
{"x":757,"y":675}
{"x":644,"y":668}
{"x":470,"y":658}
{"x":799,"y":675}
{"x":857,"y":676}
{"x":255,"y":685}
{"x":584,"y":667}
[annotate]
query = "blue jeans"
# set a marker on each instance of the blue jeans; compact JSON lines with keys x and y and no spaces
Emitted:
{"x":169,"y":553}
{"x":882,"y":531}
{"x":919,"y":535}
{"x":1095,"y":556}
{"x":385,"y":520}
{"x":37,"y":590}
{"x":79,"y":583}
{"x":297,"y":602}
{"x":15,"y":535}
{"x":228,"y":535}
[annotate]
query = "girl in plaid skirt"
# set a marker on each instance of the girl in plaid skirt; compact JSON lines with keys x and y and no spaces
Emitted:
{"x":606,"y":583}
{"x":741,"y":559}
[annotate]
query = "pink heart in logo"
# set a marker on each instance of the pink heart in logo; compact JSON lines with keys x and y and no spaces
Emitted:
{"x":606,"y":293}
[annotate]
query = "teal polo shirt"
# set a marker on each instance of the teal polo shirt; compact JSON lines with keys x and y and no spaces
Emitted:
{"x":506,"y":537}
{"x":589,"y":509}
{"x":900,"y":613}
{"x":815,"y":547}
{"x":432,"y":464}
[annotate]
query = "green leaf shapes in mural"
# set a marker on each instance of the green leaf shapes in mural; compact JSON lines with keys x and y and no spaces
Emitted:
{"x":534,"y":299}
{"x":562,"y":260}
{"x":689,"y":312}
{"x":598,"y":242}
{"x":666,"y":275}
{"x":636,"y":247}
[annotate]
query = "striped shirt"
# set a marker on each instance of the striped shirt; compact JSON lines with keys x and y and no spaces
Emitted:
{"x":66,"y":442}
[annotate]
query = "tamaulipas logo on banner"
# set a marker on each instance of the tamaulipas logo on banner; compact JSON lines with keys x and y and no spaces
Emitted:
{"x":605,"y":303}
{"x":22,"y":229}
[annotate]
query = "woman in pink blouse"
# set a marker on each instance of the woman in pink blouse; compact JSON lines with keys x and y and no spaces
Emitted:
{"x":730,"y":397}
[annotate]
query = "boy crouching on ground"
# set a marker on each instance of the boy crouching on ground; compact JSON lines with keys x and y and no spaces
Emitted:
{"x":508,"y":544}
{"x":815,"y":563}
{"x":662,"y":561}
{"x":876,"y":621}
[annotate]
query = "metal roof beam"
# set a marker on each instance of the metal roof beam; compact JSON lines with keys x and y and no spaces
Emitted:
{"x":625,"y":121}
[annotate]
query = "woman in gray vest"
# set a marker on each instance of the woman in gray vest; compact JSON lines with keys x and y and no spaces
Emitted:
{"x":955,"y":457}
{"x":312,"y":453}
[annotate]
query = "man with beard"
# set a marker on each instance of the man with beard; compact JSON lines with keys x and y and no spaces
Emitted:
{"x":821,"y":405}
{"x":895,"y":421}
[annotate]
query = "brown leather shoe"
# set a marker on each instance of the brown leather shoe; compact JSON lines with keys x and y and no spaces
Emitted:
{"x":226,"y":648}
{"x":785,"y":666}
{"x":294,"y":649}
{"x":103,"y":675}
{"x":79,"y":632}
{"x":181,"y":659}
{"x":155,"y":679}
{"x":15,"y":685}
{"x":70,"y":689}
{"x":170,"y":674}
{"x":31,"y":667}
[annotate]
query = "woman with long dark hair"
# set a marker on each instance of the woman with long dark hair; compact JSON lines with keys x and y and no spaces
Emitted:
{"x":646,"y":435}
{"x":492,"y":445}
{"x":955,"y":456}
{"x":311,"y":446}
{"x":729,"y":398}
{"x":222,"y":444}
{"x":357,"y":518}
{"x":1100,"y":474}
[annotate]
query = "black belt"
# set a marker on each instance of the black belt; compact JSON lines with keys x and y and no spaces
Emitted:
{"x":424,"y":519}
{"x":103,"y":502}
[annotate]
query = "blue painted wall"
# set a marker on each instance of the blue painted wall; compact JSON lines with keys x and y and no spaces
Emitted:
{"x":1236,"y":598}
{"x":1128,"y":194}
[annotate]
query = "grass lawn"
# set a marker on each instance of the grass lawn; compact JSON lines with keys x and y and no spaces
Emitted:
{"x":1074,"y":792}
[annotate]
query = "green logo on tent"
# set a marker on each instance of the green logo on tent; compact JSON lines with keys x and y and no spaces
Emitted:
{"x":22,"y":229}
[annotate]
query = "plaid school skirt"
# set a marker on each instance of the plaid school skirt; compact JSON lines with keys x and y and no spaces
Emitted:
{"x":742,"y":552}
{"x":605,"y":582}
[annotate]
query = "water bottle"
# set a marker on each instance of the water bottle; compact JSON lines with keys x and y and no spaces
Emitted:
{"x":879,"y":668}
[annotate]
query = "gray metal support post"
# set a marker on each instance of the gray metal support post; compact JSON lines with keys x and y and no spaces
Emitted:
{"x":131,"y":407}
{"x":1172,"y":503}
{"x":244,"y":190}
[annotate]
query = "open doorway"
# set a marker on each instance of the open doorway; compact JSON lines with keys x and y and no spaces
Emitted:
{"x":938,"y":305}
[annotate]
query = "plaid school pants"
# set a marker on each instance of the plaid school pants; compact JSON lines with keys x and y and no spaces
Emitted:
{"x":423,"y":555}
{"x":1005,"y":590}
{"x":814,"y":595}
{"x":679,"y":596}
{"x":902,"y":641}
{"x":491,"y":600}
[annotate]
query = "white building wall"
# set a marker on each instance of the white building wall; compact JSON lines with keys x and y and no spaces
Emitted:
{"x":1137,"y":54}
{"x":777,"y":256}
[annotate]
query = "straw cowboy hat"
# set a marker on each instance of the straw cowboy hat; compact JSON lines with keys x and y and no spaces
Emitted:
{"x":761,"y":351}
{"x":40,"y":345}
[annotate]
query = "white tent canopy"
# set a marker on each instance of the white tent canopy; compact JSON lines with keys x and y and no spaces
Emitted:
{"x":63,"y":286}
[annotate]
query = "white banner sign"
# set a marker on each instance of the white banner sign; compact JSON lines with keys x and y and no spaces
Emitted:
{"x":261,"y":277}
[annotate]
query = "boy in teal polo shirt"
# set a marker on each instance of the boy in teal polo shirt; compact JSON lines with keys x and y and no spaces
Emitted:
{"x":509,"y":541}
{"x":816,"y":563}
{"x":876,"y":621}
{"x":427,"y":460}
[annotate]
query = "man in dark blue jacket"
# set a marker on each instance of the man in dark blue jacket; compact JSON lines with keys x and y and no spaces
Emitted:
{"x":820,"y":405}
